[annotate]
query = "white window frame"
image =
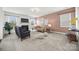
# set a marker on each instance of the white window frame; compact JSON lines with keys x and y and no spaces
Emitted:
{"x":65,"y":20}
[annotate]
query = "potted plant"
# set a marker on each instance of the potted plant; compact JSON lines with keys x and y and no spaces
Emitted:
{"x":8,"y":27}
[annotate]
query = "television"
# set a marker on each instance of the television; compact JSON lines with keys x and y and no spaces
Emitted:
{"x":24,"y":20}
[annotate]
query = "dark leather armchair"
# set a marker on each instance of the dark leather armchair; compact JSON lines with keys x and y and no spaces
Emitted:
{"x":17,"y":31}
{"x":22,"y":32}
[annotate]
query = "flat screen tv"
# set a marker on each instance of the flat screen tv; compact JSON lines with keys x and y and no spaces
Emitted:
{"x":24,"y":20}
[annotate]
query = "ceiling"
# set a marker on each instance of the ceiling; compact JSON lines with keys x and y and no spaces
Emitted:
{"x":33,"y":11}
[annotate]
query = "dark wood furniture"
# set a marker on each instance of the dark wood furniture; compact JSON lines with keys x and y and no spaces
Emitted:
{"x":71,"y":36}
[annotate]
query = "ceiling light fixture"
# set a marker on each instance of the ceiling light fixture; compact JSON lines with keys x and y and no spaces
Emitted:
{"x":35,"y":10}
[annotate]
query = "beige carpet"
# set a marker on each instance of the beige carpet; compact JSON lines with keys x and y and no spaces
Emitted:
{"x":38,"y":42}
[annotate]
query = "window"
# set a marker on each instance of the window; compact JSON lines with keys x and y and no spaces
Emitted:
{"x":42,"y":21}
{"x":10,"y":18}
{"x":65,"y":20}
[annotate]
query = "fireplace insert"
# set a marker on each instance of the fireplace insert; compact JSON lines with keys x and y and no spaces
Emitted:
{"x":24,"y":20}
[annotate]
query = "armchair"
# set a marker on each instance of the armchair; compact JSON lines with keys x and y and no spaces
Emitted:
{"x":22,"y":32}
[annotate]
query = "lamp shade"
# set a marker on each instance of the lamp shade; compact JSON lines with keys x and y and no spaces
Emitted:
{"x":49,"y":25}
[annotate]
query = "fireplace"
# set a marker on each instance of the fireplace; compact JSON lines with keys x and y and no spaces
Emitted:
{"x":24,"y":20}
{"x":25,"y":27}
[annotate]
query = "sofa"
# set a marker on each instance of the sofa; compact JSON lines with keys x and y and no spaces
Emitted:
{"x":43,"y":28}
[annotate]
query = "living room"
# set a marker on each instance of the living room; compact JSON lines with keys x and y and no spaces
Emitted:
{"x":39,"y":28}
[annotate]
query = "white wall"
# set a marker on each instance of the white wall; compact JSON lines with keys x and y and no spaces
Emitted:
{"x":18,"y":20}
{"x":32,"y":24}
{"x":77,"y":24}
{"x":19,"y":23}
{"x":77,"y":15}
{"x":1,"y":23}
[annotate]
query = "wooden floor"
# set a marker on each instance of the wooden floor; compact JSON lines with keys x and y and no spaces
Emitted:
{"x":38,"y":42}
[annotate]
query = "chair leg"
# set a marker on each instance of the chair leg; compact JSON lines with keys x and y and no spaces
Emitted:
{"x":29,"y":36}
{"x":21,"y":39}
{"x":0,"y":41}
